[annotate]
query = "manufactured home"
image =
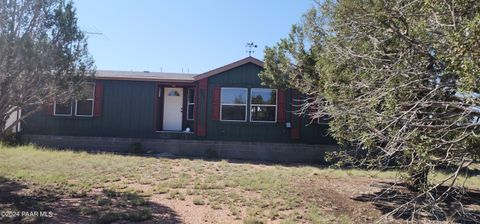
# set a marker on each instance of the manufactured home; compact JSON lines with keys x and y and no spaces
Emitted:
{"x":225,"y":112}
{"x":14,"y":117}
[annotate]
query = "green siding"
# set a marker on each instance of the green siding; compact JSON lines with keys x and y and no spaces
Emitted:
{"x":315,"y":133}
{"x":128,"y":111}
{"x":246,"y":76}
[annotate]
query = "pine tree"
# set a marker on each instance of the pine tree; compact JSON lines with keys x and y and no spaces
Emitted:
{"x":399,"y":81}
{"x":43,"y":55}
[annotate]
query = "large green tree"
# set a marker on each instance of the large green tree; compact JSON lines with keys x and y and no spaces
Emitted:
{"x":43,"y":55}
{"x":399,"y":80}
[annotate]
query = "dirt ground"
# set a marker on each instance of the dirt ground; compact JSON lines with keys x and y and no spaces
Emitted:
{"x":336,"y":197}
{"x":70,"y":187}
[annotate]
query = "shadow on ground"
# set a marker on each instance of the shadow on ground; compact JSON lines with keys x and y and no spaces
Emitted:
{"x":12,"y":201}
{"x":49,"y":206}
{"x":459,"y":207}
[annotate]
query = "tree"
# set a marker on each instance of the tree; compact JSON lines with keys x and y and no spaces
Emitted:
{"x":399,"y":80}
{"x":43,"y":55}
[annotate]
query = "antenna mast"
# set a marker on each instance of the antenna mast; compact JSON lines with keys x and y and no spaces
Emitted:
{"x":251,"y":48}
{"x":94,"y":33}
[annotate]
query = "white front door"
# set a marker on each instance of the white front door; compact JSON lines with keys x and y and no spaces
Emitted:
{"x":172,"y":109}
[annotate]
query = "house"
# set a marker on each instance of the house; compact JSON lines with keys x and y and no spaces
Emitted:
{"x":225,"y":112}
{"x":14,"y":116}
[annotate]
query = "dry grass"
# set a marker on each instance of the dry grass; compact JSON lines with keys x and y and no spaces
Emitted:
{"x":250,"y":192}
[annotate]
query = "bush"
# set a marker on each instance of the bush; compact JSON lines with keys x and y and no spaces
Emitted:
{"x":198,"y":201}
{"x":109,"y":217}
{"x":252,"y":220}
{"x":104,"y":201}
{"x":161,"y":189}
{"x":134,"y":199}
{"x":133,"y":216}
{"x":109,"y":193}
{"x":139,"y":215}
{"x":11,"y":139}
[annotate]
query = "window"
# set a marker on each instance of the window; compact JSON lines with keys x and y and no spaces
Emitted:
{"x":263,"y":107}
{"x":173,"y":93}
{"x":84,"y":103}
{"x":62,"y":109}
{"x":233,"y":104}
{"x":190,"y":103}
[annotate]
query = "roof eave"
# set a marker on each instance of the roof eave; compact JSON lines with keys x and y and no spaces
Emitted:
{"x":228,"y":67}
{"x":144,"y":79}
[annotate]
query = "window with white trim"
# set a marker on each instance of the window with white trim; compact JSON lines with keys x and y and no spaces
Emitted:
{"x":233,"y":104}
{"x":62,"y":109}
{"x":84,"y":103}
{"x":190,"y":103}
{"x":263,"y":105}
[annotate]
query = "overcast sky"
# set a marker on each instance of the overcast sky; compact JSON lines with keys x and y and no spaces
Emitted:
{"x":193,"y":35}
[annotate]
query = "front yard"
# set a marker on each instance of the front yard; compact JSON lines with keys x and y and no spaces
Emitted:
{"x":105,"y":188}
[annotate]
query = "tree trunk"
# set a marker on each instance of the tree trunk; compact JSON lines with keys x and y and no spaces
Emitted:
{"x":3,"y":131}
{"x":418,"y":179}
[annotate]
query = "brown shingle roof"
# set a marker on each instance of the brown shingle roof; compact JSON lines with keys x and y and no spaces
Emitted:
{"x":144,"y":76}
{"x":171,"y":77}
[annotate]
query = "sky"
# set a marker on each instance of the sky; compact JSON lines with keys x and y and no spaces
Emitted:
{"x":192,"y":36}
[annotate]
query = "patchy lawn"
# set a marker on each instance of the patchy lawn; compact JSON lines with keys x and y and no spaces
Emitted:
{"x":106,"y":188}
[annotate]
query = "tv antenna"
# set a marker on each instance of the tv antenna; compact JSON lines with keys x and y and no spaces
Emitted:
{"x":94,"y":33}
{"x":251,"y":48}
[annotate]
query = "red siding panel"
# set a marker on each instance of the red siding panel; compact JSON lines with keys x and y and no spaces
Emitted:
{"x":98,"y":102}
{"x":281,"y":106}
{"x":216,"y":104}
{"x":195,"y":110}
{"x":184,"y":108}
{"x":49,"y":109}
{"x":201,"y":120}
{"x":156,"y":105}
{"x":295,"y":133}
{"x":296,"y":120}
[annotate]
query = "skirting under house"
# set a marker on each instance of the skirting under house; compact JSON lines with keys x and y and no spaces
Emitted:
{"x":259,"y":151}
{"x":226,"y":111}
